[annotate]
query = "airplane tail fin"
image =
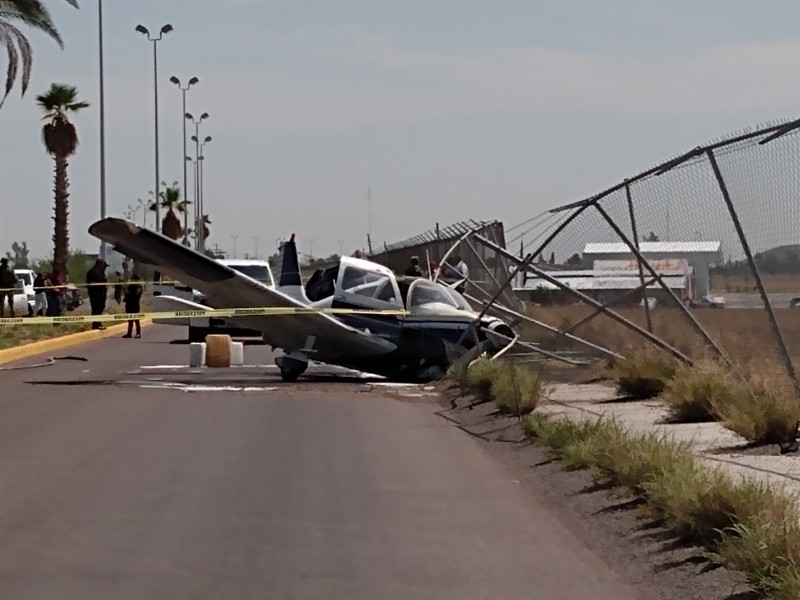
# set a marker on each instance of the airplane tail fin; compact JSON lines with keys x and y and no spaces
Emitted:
{"x":290,"y":282}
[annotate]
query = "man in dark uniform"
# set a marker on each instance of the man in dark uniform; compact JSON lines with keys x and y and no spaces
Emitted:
{"x":96,"y":281}
{"x":8,"y":281}
{"x":414,"y":270}
{"x":133,"y":305}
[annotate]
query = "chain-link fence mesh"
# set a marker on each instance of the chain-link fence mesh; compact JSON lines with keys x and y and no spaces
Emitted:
{"x":701,"y":296}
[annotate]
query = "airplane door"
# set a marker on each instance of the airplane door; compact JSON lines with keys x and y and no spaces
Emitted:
{"x":362,"y":284}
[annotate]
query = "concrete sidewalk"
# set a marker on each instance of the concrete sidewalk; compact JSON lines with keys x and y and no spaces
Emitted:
{"x":712,"y":443}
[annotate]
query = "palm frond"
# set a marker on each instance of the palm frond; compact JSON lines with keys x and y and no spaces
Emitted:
{"x":32,"y":13}
{"x":11,"y":37}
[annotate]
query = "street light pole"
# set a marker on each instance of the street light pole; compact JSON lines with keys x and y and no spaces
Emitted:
{"x":103,"y":247}
{"x":144,"y":31}
{"x":234,"y":238}
{"x":200,"y":200}
{"x":192,"y":81}
{"x":255,"y":242}
{"x":196,"y":140}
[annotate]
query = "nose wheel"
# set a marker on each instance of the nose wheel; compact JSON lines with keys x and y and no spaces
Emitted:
{"x":291,"y":368}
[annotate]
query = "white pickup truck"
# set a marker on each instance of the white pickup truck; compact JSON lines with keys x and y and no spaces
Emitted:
{"x":200,"y":327}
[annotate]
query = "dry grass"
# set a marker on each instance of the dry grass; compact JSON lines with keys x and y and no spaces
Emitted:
{"x":762,"y":409}
{"x":746,"y":525}
{"x":644,"y":374}
{"x":775,"y":284}
{"x":692,"y":392}
{"x":515,"y":390}
{"x":744,"y":334}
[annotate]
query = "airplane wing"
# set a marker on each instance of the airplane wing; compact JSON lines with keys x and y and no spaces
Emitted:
{"x":225,"y":287}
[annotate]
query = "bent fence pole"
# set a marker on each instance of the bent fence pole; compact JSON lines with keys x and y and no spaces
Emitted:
{"x":613,"y":301}
{"x":664,"y":286}
{"x":617,"y":317}
{"x":635,"y":233}
{"x":521,"y":317}
{"x":776,"y":330}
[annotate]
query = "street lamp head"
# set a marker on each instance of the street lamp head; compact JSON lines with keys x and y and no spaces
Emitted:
{"x":193,"y":81}
{"x":166,"y":28}
{"x":194,"y":138}
{"x":204,"y":116}
{"x":208,"y":139}
{"x":189,"y":116}
{"x":175,"y":80}
{"x":142,"y":29}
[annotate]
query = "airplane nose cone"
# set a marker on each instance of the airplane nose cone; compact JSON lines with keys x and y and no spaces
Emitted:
{"x":498,"y":334}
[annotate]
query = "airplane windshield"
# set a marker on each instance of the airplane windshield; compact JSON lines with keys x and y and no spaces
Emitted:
{"x":427,"y":292}
{"x":460,"y":301}
{"x":367,"y":283}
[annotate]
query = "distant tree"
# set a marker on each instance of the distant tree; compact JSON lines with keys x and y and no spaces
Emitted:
{"x":651,"y":237}
{"x":552,"y":258}
{"x":575,"y":259}
{"x":60,"y":139}
{"x":19,"y":255}
{"x":170,"y":199}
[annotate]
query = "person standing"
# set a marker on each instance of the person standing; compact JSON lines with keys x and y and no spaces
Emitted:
{"x":8,"y":283}
{"x":96,"y":282}
{"x":133,"y":304}
{"x":414,"y":270}
{"x":40,"y":295}
{"x":54,"y":284}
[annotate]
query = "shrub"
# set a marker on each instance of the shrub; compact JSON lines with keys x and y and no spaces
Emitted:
{"x":643,"y":374}
{"x":764,"y":410}
{"x":692,"y":392}
{"x":480,"y":376}
{"x":516,"y":390}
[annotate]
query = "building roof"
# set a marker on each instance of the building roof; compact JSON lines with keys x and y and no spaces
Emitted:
{"x":654,"y":248}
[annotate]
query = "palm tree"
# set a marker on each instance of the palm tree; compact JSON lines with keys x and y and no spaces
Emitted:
{"x":32,"y":13}
{"x":60,"y":139}
{"x":171,"y":200}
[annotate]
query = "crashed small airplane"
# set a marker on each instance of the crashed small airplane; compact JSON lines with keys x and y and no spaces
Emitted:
{"x":430,"y":326}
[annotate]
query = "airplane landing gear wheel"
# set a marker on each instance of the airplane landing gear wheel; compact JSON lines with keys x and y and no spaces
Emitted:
{"x":291,"y":374}
{"x":291,"y":368}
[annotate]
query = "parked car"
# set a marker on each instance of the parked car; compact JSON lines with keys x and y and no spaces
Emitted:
{"x":710,"y":301}
{"x":24,"y":299}
{"x":72,"y":298}
{"x":200,"y":327}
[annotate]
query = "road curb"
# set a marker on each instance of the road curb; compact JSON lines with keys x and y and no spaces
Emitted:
{"x":10,"y":355}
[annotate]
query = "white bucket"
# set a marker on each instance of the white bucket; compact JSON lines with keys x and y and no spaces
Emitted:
{"x":237,"y":353}
{"x":197,"y":354}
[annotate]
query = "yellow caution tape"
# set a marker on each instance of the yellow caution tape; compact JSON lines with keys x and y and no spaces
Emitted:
{"x":183,"y":314}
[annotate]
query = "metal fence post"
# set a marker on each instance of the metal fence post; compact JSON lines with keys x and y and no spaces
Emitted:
{"x":776,"y":330}
{"x":664,"y":286}
{"x":641,"y":270}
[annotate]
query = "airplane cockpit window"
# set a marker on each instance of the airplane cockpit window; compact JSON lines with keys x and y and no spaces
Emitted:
{"x":427,"y":292}
{"x":460,"y":301}
{"x":369,"y":284}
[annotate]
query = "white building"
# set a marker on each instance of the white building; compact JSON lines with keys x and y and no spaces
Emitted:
{"x":667,"y":258}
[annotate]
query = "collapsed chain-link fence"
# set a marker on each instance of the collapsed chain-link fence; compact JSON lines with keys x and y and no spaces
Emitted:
{"x":699,"y":255}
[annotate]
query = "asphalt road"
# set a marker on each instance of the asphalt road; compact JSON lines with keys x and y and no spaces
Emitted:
{"x":321,"y":489}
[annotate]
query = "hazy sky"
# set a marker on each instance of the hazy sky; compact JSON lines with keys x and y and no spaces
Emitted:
{"x":447,"y":109}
